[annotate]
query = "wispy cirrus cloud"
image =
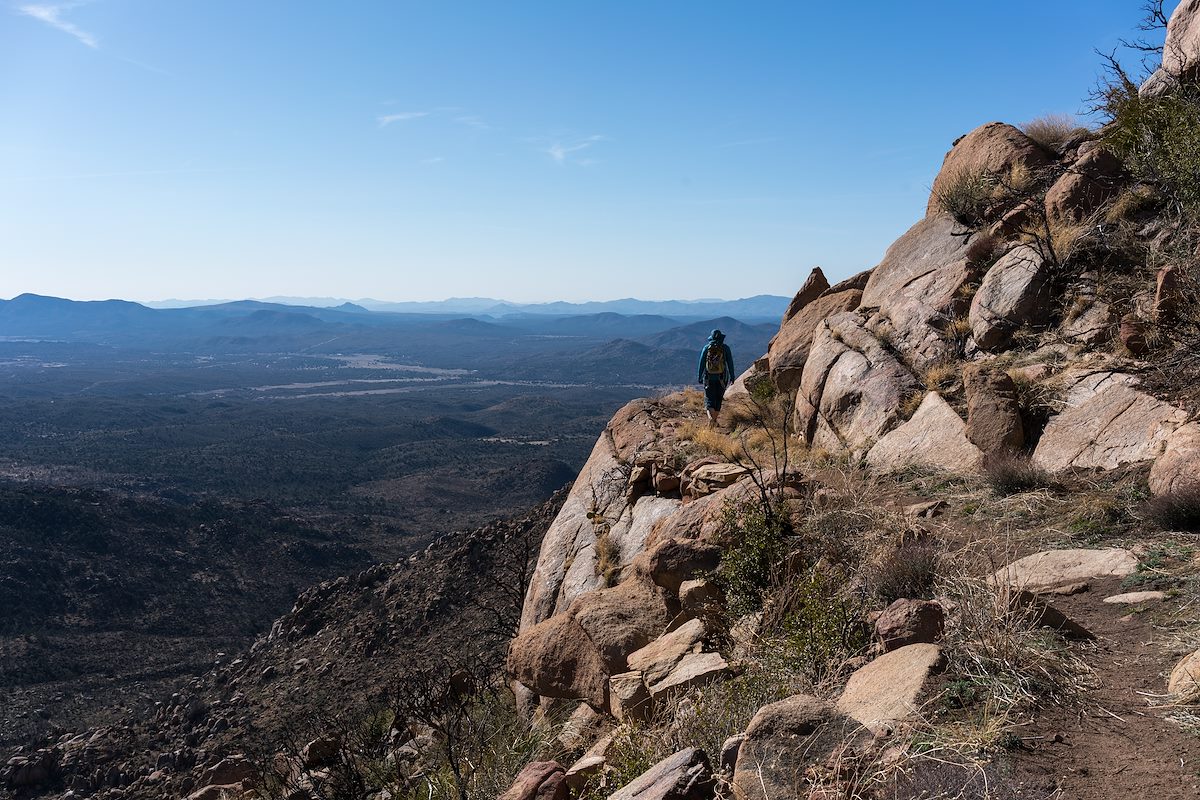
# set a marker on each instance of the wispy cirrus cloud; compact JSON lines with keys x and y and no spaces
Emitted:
{"x":53,"y":15}
{"x":387,"y":119}
{"x":564,"y":150}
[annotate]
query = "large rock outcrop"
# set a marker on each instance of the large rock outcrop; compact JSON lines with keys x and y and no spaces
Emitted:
{"x":852,"y":388}
{"x":1177,"y":470}
{"x":1107,"y":423}
{"x":789,"y":349}
{"x":782,"y":741}
{"x":1014,"y":292}
{"x":1181,"y":50}
{"x":994,"y":148}
{"x":916,"y":288}
{"x":597,"y":505}
{"x":935,"y":437}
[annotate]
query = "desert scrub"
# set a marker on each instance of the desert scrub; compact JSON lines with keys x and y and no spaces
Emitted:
{"x":701,"y":716}
{"x":1175,"y":511}
{"x":941,"y":375}
{"x":1052,"y":130}
{"x":909,"y":570}
{"x":1010,"y":473}
{"x":757,"y":539}
{"x":1156,"y":138}
{"x":814,"y":624}
{"x":608,"y":559}
{"x":997,"y":647}
{"x":967,"y":196}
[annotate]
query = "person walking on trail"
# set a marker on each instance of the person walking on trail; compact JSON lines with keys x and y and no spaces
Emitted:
{"x":715,"y":372}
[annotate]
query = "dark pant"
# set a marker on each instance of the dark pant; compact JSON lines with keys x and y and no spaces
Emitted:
{"x":714,"y":392}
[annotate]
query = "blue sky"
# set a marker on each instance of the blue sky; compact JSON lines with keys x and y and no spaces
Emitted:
{"x":524,"y":150}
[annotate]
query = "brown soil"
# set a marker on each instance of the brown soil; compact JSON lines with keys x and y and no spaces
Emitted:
{"x":1117,"y":744}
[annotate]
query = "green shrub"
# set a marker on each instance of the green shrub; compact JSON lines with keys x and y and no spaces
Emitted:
{"x":1156,"y":138}
{"x":757,"y":539}
{"x":815,"y":624}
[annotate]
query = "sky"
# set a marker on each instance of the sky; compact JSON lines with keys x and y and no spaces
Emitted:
{"x":525,"y":150}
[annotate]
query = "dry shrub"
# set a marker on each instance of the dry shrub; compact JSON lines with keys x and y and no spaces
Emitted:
{"x":907,"y":571}
{"x":1009,"y":473}
{"x":941,"y":375}
{"x":1051,"y":130}
{"x":713,"y":442}
{"x":1131,"y":203}
{"x":997,"y":646}
{"x":608,"y":559}
{"x":1066,"y":240}
{"x":967,"y":196}
{"x":1175,"y":511}
{"x":911,"y":403}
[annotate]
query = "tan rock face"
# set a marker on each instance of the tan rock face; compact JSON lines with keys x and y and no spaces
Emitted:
{"x":1014,"y":292}
{"x":694,"y":669}
{"x":782,"y":741}
{"x":993,"y":411}
{"x":995,"y":148}
{"x":814,"y":286}
{"x":1117,"y":425}
{"x":1178,"y":468}
{"x":1090,"y":320}
{"x":1181,"y":50}
{"x":566,"y":566}
{"x":916,"y":283}
{"x":907,"y":622}
{"x":1051,"y":568}
{"x":555,"y":658}
{"x":657,"y":659}
{"x":852,"y":387}
{"x":539,"y":780}
{"x":935,"y":436}
{"x":623,"y":619}
{"x":887,"y":690}
{"x":675,"y":560}
{"x":789,"y":349}
{"x":1185,"y":679}
{"x":683,"y":776}
{"x":1086,"y":186}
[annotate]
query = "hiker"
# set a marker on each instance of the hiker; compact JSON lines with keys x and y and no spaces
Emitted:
{"x":715,"y":372}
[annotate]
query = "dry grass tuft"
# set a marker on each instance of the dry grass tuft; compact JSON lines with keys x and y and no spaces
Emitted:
{"x":942,"y":375}
{"x":907,"y":571}
{"x":997,"y":646}
{"x":713,"y":442}
{"x":1010,"y":473}
{"x":911,"y":403}
{"x":608,"y":559}
{"x":967,"y":196}
{"x":1051,"y":130}
{"x":1175,"y":511}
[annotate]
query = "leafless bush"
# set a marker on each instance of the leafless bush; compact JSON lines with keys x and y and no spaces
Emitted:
{"x":1175,"y":511}
{"x":907,"y":571}
{"x":1009,"y":473}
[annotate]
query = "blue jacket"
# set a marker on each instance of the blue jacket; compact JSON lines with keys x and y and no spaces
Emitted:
{"x":702,"y":373}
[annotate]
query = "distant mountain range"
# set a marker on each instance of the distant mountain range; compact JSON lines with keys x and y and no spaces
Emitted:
{"x":522,"y":345}
{"x":758,"y":308}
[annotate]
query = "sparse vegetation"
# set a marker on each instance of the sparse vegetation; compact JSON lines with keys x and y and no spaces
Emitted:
{"x":1175,"y":511}
{"x":1009,"y":473}
{"x":968,"y":197}
{"x":1052,"y":130}
{"x":909,"y":570}
{"x":997,"y":647}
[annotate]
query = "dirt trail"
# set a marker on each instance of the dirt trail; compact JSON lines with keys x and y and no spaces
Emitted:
{"x":1117,"y":745}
